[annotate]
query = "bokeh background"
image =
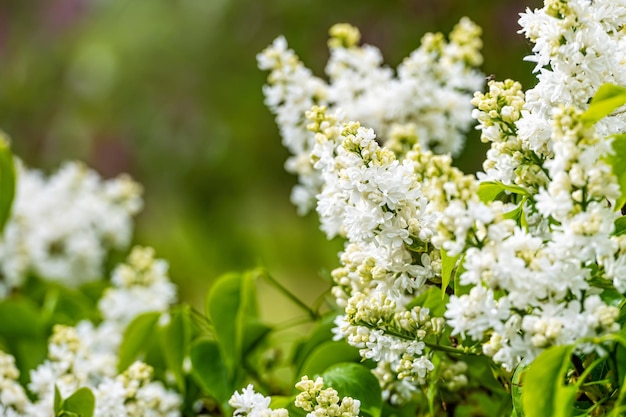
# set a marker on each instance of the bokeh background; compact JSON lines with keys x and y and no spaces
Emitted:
{"x":168,"y":91}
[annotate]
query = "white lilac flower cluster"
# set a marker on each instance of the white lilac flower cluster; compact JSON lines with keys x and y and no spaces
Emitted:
{"x":537,"y":283}
{"x":532,"y":263}
{"x":86,"y":355}
{"x":578,"y":46}
{"x":313,"y":398}
{"x":429,"y":96}
{"x":387,"y":209}
{"x":62,"y":227}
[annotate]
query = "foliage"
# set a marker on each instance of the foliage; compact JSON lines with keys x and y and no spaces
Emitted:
{"x":456,"y":295}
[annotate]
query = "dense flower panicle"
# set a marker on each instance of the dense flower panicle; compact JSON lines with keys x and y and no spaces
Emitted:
{"x":429,"y":96}
{"x":509,"y":159}
{"x":387,"y":205}
{"x":536,"y":282}
{"x":86,"y":355}
{"x":578,"y":46}
{"x":62,"y":227}
{"x":532,"y":286}
{"x":532,"y":259}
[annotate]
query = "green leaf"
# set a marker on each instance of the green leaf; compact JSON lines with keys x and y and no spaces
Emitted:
{"x":137,"y":337}
{"x":7,"y":180}
{"x":488,"y":191}
{"x":608,"y":98}
{"x":431,"y":299}
{"x":281,"y":401}
{"x":322,"y":332}
{"x":448,"y":266}
{"x":544,"y":393}
{"x":401,"y":410}
{"x":209,"y":371}
{"x":417,"y":245}
{"x":232,"y":308}
{"x":65,"y":413}
{"x":480,"y":369}
{"x":69,"y":306}
{"x":254,"y":333}
{"x":431,"y":396}
{"x":327,"y":354}
{"x":513,"y":214}
{"x":620,"y":349}
{"x":29,"y":353}
{"x":23,"y":333}
{"x":620,"y":226}
{"x":478,"y":403}
{"x":222,"y":309}
{"x":175,"y":339}
{"x":516,"y":388}
{"x":58,"y":401}
{"x":458,"y":288}
{"x":356,"y":381}
{"x":620,"y":359}
{"x":617,"y":162}
{"x":82,"y":402}
{"x":20,"y":317}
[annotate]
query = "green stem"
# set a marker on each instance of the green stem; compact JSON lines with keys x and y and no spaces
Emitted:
{"x":593,"y":391}
{"x":433,"y":346}
{"x":288,"y":294}
{"x":449,"y":349}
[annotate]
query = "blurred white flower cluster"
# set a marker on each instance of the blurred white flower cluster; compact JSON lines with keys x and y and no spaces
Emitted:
{"x":533,"y":259}
{"x":429,"y":95}
{"x":62,"y":227}
{"x":87,"y":355}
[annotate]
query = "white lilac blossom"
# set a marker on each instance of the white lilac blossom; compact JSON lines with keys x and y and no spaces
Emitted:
{"x":428,"y":96}
{"x":538,"y":283}
{"x":62,"y":227}
{"x":86,"y":355}
{"x":386,"y":206}
{"x":531,"y":263}
{"x":533,"y":286}
{"x":578,"y":46}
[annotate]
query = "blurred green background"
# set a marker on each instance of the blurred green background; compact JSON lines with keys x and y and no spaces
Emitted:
{"x":168,"y":91}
